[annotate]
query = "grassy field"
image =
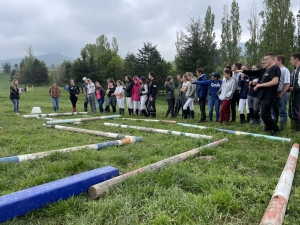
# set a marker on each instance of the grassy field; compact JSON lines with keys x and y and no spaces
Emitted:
{"x":233,"y":188}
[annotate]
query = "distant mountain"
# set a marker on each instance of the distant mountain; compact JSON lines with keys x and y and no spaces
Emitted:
{"x":49,"y":59}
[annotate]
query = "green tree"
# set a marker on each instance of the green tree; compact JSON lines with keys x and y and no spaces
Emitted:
{"x":130,"y":64}
{"x":298,"y":33}
{"x":231,"y":34}
{"x":7,"y":68}
{"x":252,"y":52}
{"x":278,"y":28}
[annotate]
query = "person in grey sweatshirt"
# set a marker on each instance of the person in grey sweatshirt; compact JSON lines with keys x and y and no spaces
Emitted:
{"x":225,"y":95}
{"x":190,"y":95}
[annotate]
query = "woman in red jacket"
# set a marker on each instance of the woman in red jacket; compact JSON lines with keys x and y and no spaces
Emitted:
{"x":135,"y":95}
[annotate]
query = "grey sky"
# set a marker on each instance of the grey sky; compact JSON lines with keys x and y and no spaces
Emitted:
{"x":65,"y":26}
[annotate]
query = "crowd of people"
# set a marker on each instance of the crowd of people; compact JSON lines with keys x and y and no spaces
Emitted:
{"x":261,"y":91}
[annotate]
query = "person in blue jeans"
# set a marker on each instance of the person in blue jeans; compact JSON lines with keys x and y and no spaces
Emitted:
{"x":15,"y":95}
{"x":100,"y":93}
{"x":213,"y":88}
{"x":55,"y":93}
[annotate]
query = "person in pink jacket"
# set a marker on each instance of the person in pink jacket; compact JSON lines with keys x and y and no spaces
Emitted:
{"x":135,"y":95}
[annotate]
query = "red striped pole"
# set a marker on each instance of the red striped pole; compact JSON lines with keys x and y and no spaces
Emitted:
{"x":276,"y":209}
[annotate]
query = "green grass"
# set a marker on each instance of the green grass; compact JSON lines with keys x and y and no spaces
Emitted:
{"x":233,"y":188}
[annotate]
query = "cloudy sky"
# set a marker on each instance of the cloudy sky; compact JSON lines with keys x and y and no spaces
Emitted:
{"x":65,"y":26}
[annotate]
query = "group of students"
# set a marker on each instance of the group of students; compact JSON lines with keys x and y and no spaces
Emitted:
{"x":263,"y":90}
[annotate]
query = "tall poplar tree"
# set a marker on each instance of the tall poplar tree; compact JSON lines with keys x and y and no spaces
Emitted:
{"x":278,"y":28}
{"x":231,"y":34}
{"x":252,"y":53}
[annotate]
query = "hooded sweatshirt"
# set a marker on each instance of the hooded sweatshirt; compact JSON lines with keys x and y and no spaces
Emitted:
{"x":135,"y":90}
{"x":227,"y":89}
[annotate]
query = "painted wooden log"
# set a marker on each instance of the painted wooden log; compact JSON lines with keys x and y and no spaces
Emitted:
{"x":149,"y":120}
{"x":54,"y":114}
{"x":276,"y":209}
{"x":99,"y":190}
{"x":160,"y":131}
{"x":53,"y":122}
{"x":99,"y":146}
{"x":22,"y":202}
{"x":94,"y":132}
{"x":238,"y":132}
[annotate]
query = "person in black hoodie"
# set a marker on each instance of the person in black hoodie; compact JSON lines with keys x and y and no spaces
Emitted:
{"x":128,"y":88}
{"x":74,"y":92}
{"x":152,"y":94}
{"x":15,"y":95}
{"x":111,"y":98}
{"x":244,"y":85}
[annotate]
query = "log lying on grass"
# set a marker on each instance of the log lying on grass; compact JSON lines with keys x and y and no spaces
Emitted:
{"x":150,"y":120}
{"x":53,"y":122}
{"x":99,"y":146}
{"x":276,"y":209}
{"x":160,"y":131}
{"x":54,"y":114}
{"x":237,"y":132}
{"x":99,"y":190}
{"x":94,"y":132}
{"x":21,"y":202}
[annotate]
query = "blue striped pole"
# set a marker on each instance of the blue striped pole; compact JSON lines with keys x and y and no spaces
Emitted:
{"x":160,"y":131}
{"x":237,"y":132}
{"x":54,"y":114}
{"x":99,"y":146}
{"x":53,"y":122}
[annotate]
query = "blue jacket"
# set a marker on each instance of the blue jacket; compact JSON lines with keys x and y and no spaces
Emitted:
{"x":244,"y":85}
{"x":213,"y":86}
{"x":201,"y":89}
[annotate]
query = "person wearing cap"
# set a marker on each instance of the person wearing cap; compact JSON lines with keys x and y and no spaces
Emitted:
{"x":244,"y":85}
{"x":143,"y":95}
{"x":169,"y":85}
{"x":153,"y":91}
{"x":201,"y":93}
{"x":84,"y":89}
{"x":91,"y":95}
{"x":214,"y":86}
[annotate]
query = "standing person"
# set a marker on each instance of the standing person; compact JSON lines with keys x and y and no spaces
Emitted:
{"x":143,"y":96}
{"x":55,"y":93}
{"x":91,"y":95}
{"x":153,"y":91}
{"x":214,"y":86}
{"x":15,"y":95}
{"x":100,"y":93}
{"x":119,"y":93}
{"x":128,"y":93}
{"x":183,"y":89}
{"x":169,"y":85}
{"x":135,"y":95}
{"x":111,"y":98}
{"x":244,"y":85}
{"x":294,"y":102}
{"x":178,"y":105}
{"x":190,"y":95}
{"x":279,"y":107}
{"x":236,"y":95}
{"x":226,"y":93}
{"x":74,"y":92}
{"x":201,"y":93}
{"x":84,"y":89}
{"x":267,"y":92}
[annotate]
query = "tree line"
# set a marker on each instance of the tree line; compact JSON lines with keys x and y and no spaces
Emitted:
{"x":196,"y":46}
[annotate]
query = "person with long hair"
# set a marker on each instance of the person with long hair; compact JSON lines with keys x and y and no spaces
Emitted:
{"x":100,"y":93}
{"x":144,"y":96}
{"x":153,"y":91}
{"x":190,"y":95}
{"x":119,"y":93}
{"x":226,"y":92}
{"x":135,"y":95}
{"x":183,"y":89}
{"x":244,"y":85}
{"x":15,"y":95}
{"x":111,"y":98}
{"x":55,"y":94}
{"x":128,"y":93}
{"x":74,"y":92}
{"x":169,"y":85}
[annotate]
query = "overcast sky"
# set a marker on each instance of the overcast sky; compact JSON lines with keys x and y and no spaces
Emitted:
{"x":65,"y":26}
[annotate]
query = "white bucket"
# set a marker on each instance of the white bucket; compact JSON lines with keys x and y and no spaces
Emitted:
{"x":36,"y":110}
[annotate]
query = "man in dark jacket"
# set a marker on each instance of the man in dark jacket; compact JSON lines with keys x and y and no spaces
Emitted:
{"x":201,"y":93}
{"x":294,"y":103}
